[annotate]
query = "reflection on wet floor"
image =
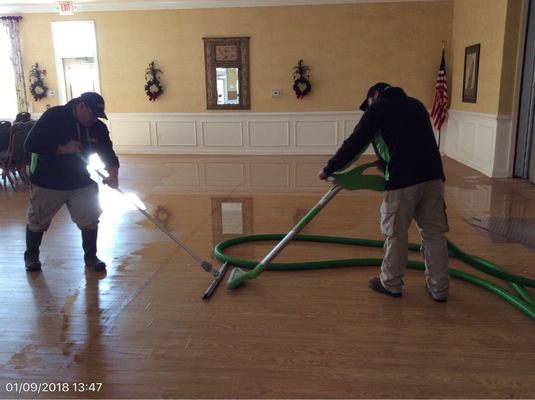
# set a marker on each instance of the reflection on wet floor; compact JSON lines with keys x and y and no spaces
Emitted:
{"x":226,"y":179}
{"x":259,"y":174}
{"x":231,"y":218}
{"x":507,"y":229}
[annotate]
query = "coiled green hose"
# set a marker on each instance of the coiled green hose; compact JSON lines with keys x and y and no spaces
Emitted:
{"x":355,"y":179}
{"x":523,"y":302}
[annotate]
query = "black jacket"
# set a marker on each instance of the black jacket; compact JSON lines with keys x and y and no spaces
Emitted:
{"x":400,"y":131}
{"x":57,"y":126}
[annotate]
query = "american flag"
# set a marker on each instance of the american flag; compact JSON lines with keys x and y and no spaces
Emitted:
{"x":439,"y":112}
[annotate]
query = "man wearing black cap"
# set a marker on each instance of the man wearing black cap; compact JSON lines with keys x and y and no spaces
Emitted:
{"x":399,"y":129}
{"x":60,"y":142}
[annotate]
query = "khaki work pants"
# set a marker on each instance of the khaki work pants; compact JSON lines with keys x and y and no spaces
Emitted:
{"x":424,"y":203}
{"x":83,"y":205}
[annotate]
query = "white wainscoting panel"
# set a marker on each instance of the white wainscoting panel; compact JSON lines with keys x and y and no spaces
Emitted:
{"x":484,"y":137}
{"x":505,"y":145}
{"x":135,"y":133}
{"x":269,"y":133}
{"x":316,"y":133}
{"x":222,"y":133}
{"x":484,"y":142}
{"x":349,"y":125}
{"x":176,"y":133}
{"x":481,"y":141}
{"x":468,"y":138}
{"x":231,"y":132}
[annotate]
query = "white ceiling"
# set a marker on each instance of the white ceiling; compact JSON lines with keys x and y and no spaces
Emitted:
{"x":42,"y":6}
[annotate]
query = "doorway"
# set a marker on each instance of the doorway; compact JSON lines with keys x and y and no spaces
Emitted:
{"x":80,"y":76}
{"x":75,"y":49}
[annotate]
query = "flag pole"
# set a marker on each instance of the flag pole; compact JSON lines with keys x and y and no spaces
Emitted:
{"x":440,"y":104}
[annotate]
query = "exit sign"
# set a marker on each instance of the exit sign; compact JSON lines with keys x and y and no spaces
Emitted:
{"x":66,"y":8}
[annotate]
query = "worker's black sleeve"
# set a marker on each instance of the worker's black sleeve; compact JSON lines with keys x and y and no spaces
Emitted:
{"x":47,"y":133}
{"x":102,"y":145}
{"x":354,"y":145}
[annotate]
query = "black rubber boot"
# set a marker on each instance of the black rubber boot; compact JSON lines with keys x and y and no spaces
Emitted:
{"x":89,"y":244}
{"x":31,"y":255}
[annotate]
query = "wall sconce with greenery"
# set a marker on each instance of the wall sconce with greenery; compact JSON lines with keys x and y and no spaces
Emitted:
{"x":37,"y":86}
{"x":301,"y":77}
{"x":153,"y":87}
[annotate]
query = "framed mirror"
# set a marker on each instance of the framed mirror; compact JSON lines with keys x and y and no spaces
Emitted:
{"x":227,"y":73}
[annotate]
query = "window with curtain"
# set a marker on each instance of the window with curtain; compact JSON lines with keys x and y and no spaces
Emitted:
{"x":10,"y":43}
{"x":8,"y":97}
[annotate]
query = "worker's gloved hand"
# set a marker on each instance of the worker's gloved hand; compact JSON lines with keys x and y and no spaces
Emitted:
{"x":111,"y":181}
{"x":322,"y":175}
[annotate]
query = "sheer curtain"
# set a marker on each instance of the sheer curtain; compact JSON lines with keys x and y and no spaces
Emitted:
{"x":10,"y":27}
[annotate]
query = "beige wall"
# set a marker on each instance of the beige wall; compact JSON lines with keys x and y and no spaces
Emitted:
{"x":347,"y":47}
{"x":495,"y":25}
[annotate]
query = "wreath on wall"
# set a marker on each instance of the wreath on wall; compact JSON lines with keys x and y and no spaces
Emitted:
{"x":301,"y":77}
{"x":37,"y":86}
{"x":153,"y":87}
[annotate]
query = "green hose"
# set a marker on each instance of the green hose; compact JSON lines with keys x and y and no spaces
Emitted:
{"x":355,"y":179}
{"x":524,"y":302}
{"x":487,"y":266}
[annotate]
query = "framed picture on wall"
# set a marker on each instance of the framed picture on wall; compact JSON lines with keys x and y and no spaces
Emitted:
{"x":471,"y":68}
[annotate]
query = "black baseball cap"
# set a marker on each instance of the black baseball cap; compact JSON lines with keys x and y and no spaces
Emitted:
{"x":95,"y":102}
{"x":378,"y":87}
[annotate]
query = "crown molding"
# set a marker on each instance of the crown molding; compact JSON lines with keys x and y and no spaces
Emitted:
{"x":25,"y":7}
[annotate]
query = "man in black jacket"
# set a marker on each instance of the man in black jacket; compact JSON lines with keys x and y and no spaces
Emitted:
{"x":399,"y":129}
{"x":60,"y":142}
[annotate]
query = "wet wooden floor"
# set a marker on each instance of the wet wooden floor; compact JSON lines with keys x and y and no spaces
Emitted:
{"x":141,"y":330}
